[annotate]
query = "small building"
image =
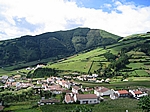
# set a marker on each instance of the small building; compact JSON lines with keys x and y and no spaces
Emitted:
{"x":4,"y":77}
{"x":119,"y":93}
{"x":69,"y":98}
{"x":75,"y":89}
{"x":47,"y":101}
{"x":86,"y":98}
{"x":102,"y":91}
{"x":137,"y":93}
{"x":67,"y":85}
{"x":123,"y":93}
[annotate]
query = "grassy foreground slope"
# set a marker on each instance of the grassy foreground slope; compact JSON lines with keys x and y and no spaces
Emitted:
{"x":119,"y":105}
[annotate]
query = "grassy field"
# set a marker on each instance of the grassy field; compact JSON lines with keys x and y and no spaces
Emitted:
{"x":82,"y":62}
{"x":26,"y":106}
{"x":119,"y":105}
{"x":139,"y":61}
{"x":115,"y":84}
{"x":5,"y":72}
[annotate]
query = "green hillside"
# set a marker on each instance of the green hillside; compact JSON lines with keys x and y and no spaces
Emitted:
{"x":95,"y":61}
{"x":52,"y":46}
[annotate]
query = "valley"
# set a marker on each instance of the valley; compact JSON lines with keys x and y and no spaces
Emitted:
{"x":92,"y":58}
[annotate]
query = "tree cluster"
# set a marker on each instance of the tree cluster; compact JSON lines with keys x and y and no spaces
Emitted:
{"x":42,"y":72}
{"x":144,"y":103}
{"x":117,"y":62}
{"x":9,"y":97}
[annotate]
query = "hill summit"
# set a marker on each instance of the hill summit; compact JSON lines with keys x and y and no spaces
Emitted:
{"x":53,"y":45}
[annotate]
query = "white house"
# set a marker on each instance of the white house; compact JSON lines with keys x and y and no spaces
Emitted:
{"x":137,"y":94}
{"x":119,"y":93}
{"x":56,"y":89}
{"x":75,"y":89}
{"x":102,"y":91}
{"x":86,"y":98}
{"x":123,"y":93}
{"x":67,"y":85}
{"x":95,"y":75}
{"x":48,"y":101}
{"x":51,"y":80}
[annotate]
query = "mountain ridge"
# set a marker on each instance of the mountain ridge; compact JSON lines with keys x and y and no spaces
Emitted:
{"x":57,"y":44}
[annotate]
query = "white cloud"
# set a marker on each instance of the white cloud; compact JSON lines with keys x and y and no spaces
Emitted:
{"x":54,"y":15}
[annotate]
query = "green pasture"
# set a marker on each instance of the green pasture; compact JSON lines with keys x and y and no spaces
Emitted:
{"x":117,"y":83}
{"x":136,"y":65}
{"x":74,"y":66}
{"x":86,"y":55}
{"x":138,"y":69}
{"x":139,"y":79}
{"x":26,"y":106}
{"x":94,"y":67}
{"x":98,"y":58}
{"x":5,"y":72}
{"x":118,"y":105}
{"x":142,"y":73}
{"x":29,"y":110}
{"x":81,"y":62}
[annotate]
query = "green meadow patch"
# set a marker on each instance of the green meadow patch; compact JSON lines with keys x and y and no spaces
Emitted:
{"x":5,"y":72}
{"x":118,"y":105}
{"x":21,"y":106}
{"x":83,"y":62}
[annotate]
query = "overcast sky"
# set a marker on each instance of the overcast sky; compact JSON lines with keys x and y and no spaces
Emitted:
{"x":33,"y":17}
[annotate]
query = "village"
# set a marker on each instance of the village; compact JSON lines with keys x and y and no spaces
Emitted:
{"x":72,"y":91}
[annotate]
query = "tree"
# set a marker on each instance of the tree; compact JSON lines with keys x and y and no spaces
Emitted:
{"x":144,"y":103}
{"x":109,"y":56}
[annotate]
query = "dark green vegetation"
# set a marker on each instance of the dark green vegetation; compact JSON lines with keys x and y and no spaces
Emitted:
{"x":10,"y":95}
{"x":42,"y":72}
{"x":52,"y":45}
{"x":144,"y":103}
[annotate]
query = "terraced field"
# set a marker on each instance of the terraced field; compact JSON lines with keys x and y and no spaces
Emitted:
{"x":88,"y":62}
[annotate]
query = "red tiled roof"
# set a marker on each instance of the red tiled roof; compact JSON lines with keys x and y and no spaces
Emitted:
{"x":123,"y":92}
{"x":102,"y":89}
{"x":137,"y":92}
{"x":86,"y":96}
